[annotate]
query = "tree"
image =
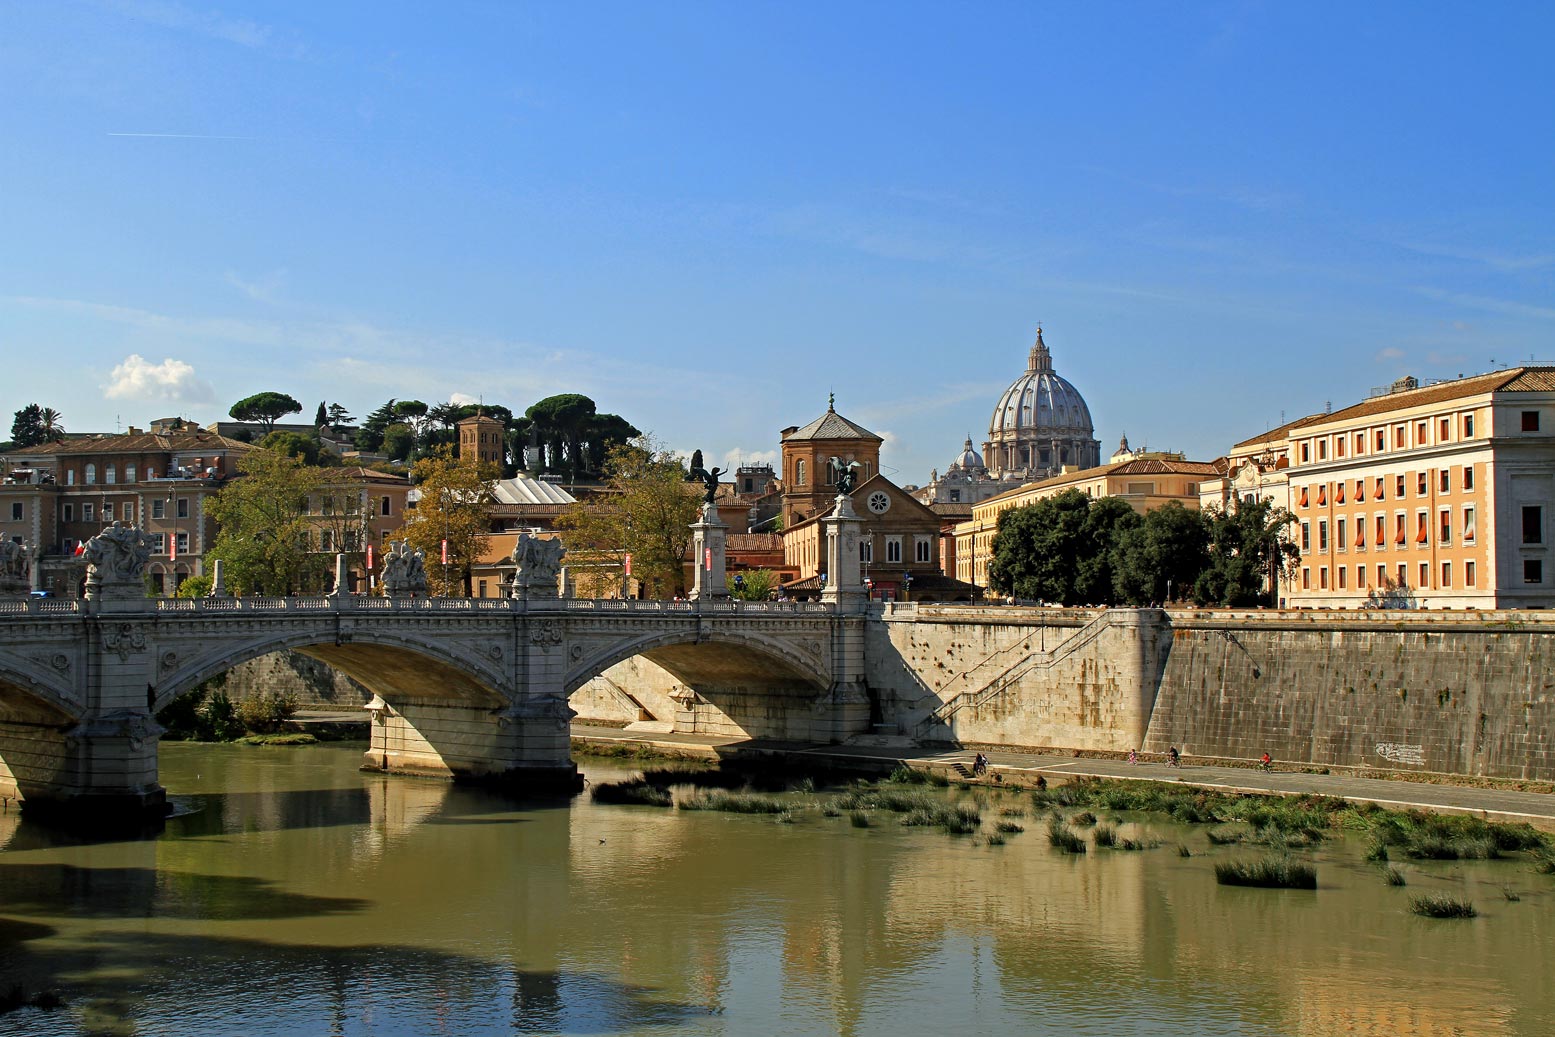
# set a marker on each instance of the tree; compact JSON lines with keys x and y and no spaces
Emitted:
{"x":753,"y":584}
{"x":369,"y":436}
{"x":560,"y":422}
{"x":454,"y":493}
{"x":1161,"y":555}
{"x":412,"y":414}
{"x":34,"y":425}
{"x":338,"y":417}
{"x":1060,"y":549}
{"x":398,"y":442}
{"x":1249,"y":555}
{"x":647,"y":513}
{"x":294,"y":444}
{"x":321,"y":418}
{"x":265,"y":533}
{"x":605,"y":432}
{"x":194,"y":587}
{"x":264,"y":407}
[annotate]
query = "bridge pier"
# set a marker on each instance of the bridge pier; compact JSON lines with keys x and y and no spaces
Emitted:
{"x":525,"y":747}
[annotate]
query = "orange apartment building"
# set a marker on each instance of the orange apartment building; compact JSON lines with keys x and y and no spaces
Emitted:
{"x":1439,"y":495}
{"x":1145,"y":482}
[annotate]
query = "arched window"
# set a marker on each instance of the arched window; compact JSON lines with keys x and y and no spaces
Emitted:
{"x":91,"y":474}
{"x":129,"y":473}
{"x":111,"y":475}
{"x":799,"y":479}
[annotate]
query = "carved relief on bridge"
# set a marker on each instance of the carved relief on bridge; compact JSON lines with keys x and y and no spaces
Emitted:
{"x":125,"y":639}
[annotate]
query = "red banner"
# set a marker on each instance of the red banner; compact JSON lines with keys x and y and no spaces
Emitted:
{"x":628,"y":565}
{"x":445,"y":552}
{"x":707,"y":560}
{"x":369,"y":557}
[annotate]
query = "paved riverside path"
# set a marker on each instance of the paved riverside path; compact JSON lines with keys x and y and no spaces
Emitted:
{"x":1535,"y":807}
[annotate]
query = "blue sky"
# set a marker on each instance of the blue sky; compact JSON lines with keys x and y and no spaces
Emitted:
{"x":707,"y":216}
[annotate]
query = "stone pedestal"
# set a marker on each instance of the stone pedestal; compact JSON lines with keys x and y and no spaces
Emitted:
{"x":219,"y":579}
{"x":342,"y":579}
{"x":708,"y":538}
{"x":844,"y":571}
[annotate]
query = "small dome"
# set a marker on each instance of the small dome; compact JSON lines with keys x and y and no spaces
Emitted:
{"x":970,"y":460}
{"x":1040,"y":399}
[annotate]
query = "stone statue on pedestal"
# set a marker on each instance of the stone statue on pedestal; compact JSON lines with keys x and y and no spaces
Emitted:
{"x":404,"y":571}
{"x":707,"y":478}
{"x":15,"y":567}
{"x":539,"y":565}
{"x":847,"y":475}
{"x":116,"y":561}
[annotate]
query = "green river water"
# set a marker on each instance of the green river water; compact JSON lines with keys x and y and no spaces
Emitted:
{"x":298,"y":895}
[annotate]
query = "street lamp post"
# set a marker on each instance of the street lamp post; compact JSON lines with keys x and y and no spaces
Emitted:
{"x":447,"y":587}
{"x":172,"y":539}
{"x":906,"y":587}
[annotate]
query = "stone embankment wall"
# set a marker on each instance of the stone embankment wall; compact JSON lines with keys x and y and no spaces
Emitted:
{"x":1454,"y":692}
{"x":1082,"y":679}
{"x":316,"y":685}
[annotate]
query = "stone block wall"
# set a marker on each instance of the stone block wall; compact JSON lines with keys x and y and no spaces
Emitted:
{"x":1003,"y":676}
{"x":1463,"y":693}
{"x":316,"y":685}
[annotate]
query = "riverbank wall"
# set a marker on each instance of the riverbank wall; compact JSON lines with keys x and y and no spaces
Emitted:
{"x":1469,"y":693}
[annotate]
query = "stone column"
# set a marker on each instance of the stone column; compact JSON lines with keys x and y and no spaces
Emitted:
{"x":709,"y":537}
{"x":844,"y":571}
{"x":843,"y":709}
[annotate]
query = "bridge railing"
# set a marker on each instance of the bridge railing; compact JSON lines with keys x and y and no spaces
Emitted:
{"x":607,"y":606}
{"x":38,"y":606}
{"x":465,"y":605}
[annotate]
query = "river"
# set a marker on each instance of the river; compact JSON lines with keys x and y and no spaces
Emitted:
{"x":294,"y":894}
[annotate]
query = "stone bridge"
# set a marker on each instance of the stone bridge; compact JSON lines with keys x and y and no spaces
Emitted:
{"x":469,"y":688}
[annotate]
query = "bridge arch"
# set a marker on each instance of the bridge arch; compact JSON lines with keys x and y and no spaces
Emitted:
{"x":389,"y":664}
{"x":736,"y":683}
{"x":22,"y":680}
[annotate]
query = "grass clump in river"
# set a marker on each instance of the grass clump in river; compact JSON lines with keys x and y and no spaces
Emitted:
{"x":1439,"y":905}
{"x":1061,"y":838}
{"x":635,"y":792}
{"x":1009,"y":828}
{"x":1297,"y":821}
{"x":957,"y":820}
{"x":1393,"y":876}
{"x":1272,"y":872}
{"x":285,"y":738}
{"x":905,"y":775}
{"x":1105,"y":835}
{"x":734,"y":802}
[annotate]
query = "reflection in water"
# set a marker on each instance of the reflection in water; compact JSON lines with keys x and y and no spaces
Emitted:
{"x":303,"y":896}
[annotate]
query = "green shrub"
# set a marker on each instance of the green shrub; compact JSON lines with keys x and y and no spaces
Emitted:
{"x":1225,"y":836}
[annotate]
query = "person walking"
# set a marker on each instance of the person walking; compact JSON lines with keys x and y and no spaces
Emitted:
{"x":1172,"y":756}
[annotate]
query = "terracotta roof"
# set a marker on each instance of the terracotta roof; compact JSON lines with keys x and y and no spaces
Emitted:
{"x":754,"y":542}
{"x":1516,"y":379}
{"x":142,"y":443}
{"x":372,"y":475}
{"x":948,"y":509}
{"x":832,"y":425}
{"x":1276,"y":435}
{"x":1145,"y":466}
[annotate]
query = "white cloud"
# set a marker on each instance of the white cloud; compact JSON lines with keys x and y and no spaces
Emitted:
{"x":462,"y":399}
{"x":1391,"y":353}
{"x":172,"y":380}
